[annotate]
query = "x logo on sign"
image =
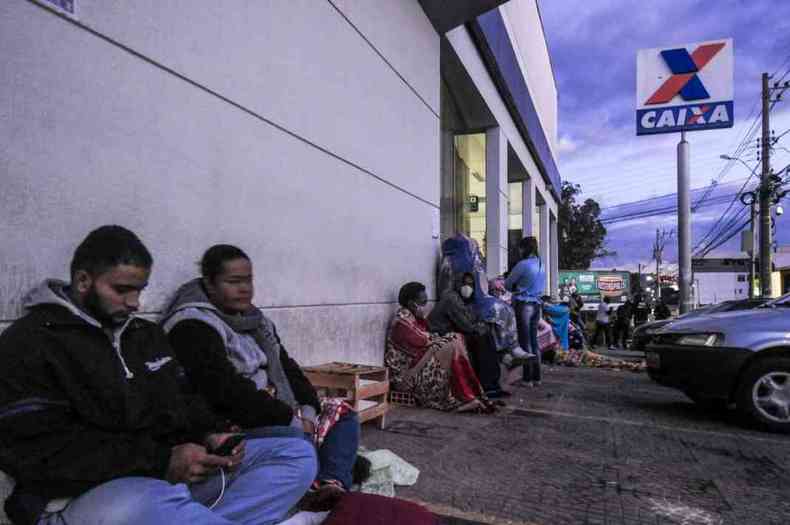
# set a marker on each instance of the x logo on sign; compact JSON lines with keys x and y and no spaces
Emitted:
{"x":684,"y":79}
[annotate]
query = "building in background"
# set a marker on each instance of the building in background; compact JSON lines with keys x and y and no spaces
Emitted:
{"x":717,"y":280}
{"x":337,"y":142}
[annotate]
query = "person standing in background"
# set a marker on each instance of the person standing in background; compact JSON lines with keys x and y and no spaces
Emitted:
{"x":527,"y":281}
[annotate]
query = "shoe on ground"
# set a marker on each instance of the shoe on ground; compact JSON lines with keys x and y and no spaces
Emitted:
{"x":497,"y":394}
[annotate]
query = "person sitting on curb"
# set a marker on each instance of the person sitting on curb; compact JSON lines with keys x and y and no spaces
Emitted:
{"x":91,"y":408}
{"x":235,"y":359}
{"x":453,"y":313}
{"x":434,"y":368}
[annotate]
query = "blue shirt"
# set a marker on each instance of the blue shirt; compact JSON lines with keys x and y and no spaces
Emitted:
{"x":527,"y":281}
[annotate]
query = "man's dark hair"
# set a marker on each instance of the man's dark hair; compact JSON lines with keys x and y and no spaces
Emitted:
{"x":216,"y":256}
{"x":107,"y":247}
{"x":529,"y":245}
{"x":409,"y":292}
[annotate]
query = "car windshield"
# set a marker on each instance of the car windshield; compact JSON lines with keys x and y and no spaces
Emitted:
{"x":783,"y":301}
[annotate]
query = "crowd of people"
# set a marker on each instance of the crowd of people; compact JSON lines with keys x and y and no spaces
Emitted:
{"x":452,"y":358}
{"x":204,"y":417}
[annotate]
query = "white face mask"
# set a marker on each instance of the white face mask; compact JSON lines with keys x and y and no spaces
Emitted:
{"x":467,"y":291}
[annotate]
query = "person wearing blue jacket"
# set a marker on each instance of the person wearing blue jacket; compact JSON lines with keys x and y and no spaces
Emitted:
{"x":527,"y":282}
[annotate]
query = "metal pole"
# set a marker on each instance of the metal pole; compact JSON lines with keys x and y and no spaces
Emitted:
{"x":684,"y":225}
{"x":765,"y":197}
{"x":658,"y":269}
{"x":752,"y":231}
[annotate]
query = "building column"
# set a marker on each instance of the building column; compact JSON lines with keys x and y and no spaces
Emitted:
{"x":527,"y":207}
{"x":545,"y":240}
{"x":554,"y":265}
{"x":496,"y":202}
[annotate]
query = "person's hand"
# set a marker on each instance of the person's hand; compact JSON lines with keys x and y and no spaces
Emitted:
{"x":308,"y":426}
{"x":214,"y":441}
{"x":191,"y":463}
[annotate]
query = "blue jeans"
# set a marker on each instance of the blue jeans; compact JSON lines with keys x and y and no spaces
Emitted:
{"x":338,"y":452}
{"x":273,"y":476}
{"x":527,"y":317}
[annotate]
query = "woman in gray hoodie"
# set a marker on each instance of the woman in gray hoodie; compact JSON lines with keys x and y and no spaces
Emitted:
{"x":234,"y":357}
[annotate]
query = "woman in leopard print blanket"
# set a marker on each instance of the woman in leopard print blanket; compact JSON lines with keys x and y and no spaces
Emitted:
{"x":434,"y":368}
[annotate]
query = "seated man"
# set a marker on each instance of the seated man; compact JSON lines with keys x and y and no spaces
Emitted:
{"x":453,"y":313}
{"x":91,"y":409}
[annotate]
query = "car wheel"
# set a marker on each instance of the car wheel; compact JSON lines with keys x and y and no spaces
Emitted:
{"x":764,"y":393}
{"x":710,"y":403}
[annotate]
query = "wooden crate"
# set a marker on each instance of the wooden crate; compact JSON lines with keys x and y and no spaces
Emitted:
{"x":366,"y":387}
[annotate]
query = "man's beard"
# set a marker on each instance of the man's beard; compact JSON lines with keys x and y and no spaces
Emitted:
{"x":93,"y":305}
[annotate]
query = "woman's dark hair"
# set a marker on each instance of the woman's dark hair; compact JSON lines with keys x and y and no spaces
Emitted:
{"x":529,"y":246}
{"x":216,"y":256}
{"x":107,"y":247}
{"x":409,"y":292}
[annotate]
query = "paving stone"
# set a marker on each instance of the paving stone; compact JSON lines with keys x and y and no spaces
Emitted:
{"x":594,"y":447}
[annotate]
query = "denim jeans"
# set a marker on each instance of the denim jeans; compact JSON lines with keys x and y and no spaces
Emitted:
{"x":527,"y":317}
{"x":273,"y":476}
{"x":338,"y":452}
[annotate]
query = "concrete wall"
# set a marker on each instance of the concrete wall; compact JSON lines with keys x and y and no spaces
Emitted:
{"x":522,"y":19}
{"x":306,"y":132}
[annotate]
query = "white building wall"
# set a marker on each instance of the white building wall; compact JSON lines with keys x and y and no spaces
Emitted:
{"x":272,"y":125}
{"x":523,"y":22}
{"x":715,"y":287}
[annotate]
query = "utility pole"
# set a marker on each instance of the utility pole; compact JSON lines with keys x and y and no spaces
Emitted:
{"x":752,"y":230}
{"x":684,"y":225}
{"x":658,"y":252}
{"x":765,"y":196}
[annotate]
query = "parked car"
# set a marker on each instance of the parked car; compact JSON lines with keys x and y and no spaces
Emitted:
{"x":644,"y":333}
{"x":740,"y":357}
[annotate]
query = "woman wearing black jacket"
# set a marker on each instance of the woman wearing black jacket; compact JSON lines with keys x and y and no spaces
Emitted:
{"x":234,"y":357}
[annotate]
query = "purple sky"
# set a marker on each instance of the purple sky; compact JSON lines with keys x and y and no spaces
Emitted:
{"x":593,"y":47}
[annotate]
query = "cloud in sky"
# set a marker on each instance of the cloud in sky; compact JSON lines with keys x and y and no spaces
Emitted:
{"x":593,"y":47}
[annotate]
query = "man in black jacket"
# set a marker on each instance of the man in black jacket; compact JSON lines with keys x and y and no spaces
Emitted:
{"x":91,"y":409}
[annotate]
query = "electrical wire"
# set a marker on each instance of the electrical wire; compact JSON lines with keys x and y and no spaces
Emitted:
{"x":222,"y":490}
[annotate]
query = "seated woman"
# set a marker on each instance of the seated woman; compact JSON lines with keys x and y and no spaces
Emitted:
{"x":454,"y":313}
{"x":434,"y":368}
{"x":233,"y":356}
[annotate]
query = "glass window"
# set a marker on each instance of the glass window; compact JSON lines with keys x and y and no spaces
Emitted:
{"x":515,"y":206}
{"x":470,"y":186}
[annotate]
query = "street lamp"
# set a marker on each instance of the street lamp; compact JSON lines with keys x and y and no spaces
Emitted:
{"x":727,"y":157}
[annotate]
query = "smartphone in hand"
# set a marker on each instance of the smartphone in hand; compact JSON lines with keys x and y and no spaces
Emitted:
{"x":227,"y":446}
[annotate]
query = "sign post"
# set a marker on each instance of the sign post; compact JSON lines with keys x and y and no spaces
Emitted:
{"x":684,"y":88}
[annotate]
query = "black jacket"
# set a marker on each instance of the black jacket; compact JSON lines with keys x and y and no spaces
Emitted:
{"x":71,"y":418}
{"x":201,"y":350}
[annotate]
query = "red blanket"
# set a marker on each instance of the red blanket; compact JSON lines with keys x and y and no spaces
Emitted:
{"x":370,"y":509}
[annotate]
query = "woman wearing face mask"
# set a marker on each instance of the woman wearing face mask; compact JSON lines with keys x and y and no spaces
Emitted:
{"x":434,"y":368}
{"x":454,"y":313}
{"x":527,"y":281}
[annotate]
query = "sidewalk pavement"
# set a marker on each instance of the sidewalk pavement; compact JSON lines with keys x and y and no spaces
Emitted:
{"x":594,"y":447}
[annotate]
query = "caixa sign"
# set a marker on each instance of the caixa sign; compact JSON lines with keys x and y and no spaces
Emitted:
{"x":685,"y":88}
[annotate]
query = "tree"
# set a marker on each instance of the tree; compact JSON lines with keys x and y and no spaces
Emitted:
{"x":581,"y":233}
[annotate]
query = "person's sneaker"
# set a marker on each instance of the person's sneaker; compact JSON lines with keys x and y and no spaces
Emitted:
{"x":517,"y":357}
